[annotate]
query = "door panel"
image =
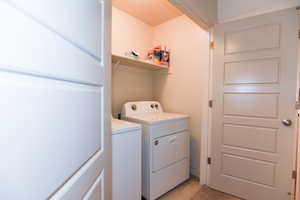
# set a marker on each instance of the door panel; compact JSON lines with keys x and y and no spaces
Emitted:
{"x":42,"y":52}
{"x":96,"y":191}
{"x":51,"y":137}
{"x":55,"y":83}
{"x":251,"y":105}
{"x":82,"y":182}
{"x":247,"y":169}
{"x":255,"y":138}
{"x":83,"y":29}
{"x":258,"y":38}
{"x":254,"y":89}
{"x":252,"y":72}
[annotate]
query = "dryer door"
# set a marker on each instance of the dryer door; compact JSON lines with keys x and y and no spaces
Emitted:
{"x":168,"y":150}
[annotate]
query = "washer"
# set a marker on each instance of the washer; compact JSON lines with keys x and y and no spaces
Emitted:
{"x":165,"y":146}
{"x":126,"y":160}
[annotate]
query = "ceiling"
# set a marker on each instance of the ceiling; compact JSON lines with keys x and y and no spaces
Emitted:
{"x":152,"y":12}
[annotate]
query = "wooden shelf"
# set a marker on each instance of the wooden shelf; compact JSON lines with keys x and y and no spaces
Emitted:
{"x":131,"y":62}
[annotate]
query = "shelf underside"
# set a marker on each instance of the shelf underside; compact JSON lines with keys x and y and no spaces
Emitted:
{"x":131,"y":62}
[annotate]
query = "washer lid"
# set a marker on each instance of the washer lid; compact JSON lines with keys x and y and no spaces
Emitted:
{"x":121,"y":126}
{"x":155,"y":118}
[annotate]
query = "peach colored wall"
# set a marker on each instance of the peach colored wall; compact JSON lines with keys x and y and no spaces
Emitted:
{"x":130,"y":84}
{"x":129,"y":33}
{"x":182,"y":90}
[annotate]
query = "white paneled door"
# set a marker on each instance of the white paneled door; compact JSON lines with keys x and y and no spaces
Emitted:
{"x":254,"y":116}
{"x":54,"y":105}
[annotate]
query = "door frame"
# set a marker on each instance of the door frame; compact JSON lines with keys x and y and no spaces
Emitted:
{"x":206,"y":128}
{"x":107,"y":15}
{"x":206,"y":120}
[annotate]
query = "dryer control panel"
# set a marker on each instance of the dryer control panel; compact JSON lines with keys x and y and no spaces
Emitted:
{"x":141,"y":107}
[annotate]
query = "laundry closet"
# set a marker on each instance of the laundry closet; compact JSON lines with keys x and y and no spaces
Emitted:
{"x":140,"y":27}
{"x":230,"y":80}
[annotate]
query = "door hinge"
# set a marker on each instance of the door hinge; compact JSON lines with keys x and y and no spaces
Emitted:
{"x":210,"y":103}
{"x":209,"y":160}
{"x":212,"y":45}
{"x":294,"y":174}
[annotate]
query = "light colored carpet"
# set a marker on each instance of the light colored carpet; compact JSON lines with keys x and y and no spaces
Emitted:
{"x":206,"y":193}
{"x":185,"y":191}
{"x":192,"y":190}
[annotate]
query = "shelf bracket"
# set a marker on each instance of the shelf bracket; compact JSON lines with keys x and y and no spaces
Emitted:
{"x":116,"y":65}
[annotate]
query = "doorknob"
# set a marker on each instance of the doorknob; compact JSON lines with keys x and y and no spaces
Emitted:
{"x":287,"y":122}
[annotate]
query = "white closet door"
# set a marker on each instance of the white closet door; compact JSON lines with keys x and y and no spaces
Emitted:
{"x":55,"y":85}
{"x":254,"y":93}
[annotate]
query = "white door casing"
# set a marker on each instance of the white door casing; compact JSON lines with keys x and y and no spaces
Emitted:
{"x":55,"y":136}
{"x":254,"y":89}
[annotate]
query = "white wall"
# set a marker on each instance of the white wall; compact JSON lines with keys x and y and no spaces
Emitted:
{"x":182,"y":91}
{"x":130,"y":84}
{"x":234,"y":9}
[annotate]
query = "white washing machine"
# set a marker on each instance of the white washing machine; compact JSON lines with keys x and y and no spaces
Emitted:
{"x":126,"y":160}
{"x":165,"y":146}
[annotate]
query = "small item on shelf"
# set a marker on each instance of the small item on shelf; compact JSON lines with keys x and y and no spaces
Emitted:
{"x":166,"y":56}
{"x":132,"y":54}
{"x":159,"y":55}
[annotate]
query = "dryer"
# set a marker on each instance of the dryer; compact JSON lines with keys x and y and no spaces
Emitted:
{"x":165,"y":151}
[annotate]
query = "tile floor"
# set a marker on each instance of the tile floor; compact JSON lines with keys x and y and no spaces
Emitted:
{"x":191,"y":190}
